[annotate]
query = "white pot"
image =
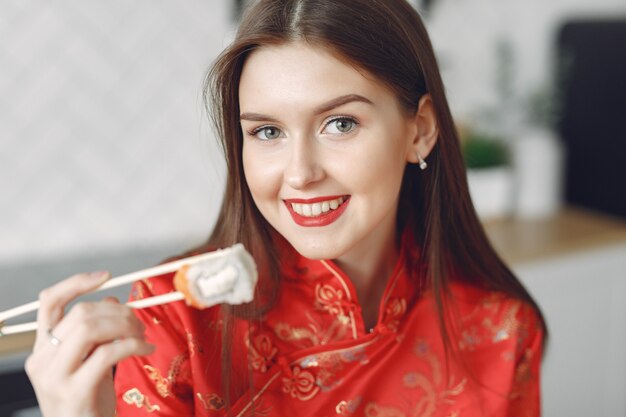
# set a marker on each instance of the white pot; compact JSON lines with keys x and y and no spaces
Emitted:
{"x":491,"y":190}
{"x":538,"y":164}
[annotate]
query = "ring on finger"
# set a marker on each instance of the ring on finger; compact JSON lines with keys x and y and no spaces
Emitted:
{"x":55,"y":341}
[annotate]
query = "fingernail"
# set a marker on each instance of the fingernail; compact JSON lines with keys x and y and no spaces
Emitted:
{"x":99,"y":275}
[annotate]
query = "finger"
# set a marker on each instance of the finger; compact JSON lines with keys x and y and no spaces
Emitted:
{"x":91,"y":324}
{"x":53,"y":300}
{"x":98,"y":365}
{"x":92,"y":310}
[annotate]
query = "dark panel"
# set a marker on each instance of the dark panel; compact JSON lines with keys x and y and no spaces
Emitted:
{"x":592,"y":82}
{"x":16,"y":393}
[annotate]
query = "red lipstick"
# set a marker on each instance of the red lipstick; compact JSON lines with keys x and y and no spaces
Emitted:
{"x":323,"y":219}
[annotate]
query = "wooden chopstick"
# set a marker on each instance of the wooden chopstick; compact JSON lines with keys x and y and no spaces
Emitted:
{"x":116,"y":282}
{"x":17,"y":328}
{"x":136,"y":304}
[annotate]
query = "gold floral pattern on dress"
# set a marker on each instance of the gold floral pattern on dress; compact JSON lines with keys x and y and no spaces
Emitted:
{"x":327,"y":379}
{"x":522,"y":392}
{"x":331,"y":363}
{"x":326,"y":369}
{"x":330,"y":299}
{"x":372,"y":409}
{"x":148,"y":284}
{"x":433,"y":390}
{"x":499,"y":330}
{"x":423,"y":351}
{"x":470,"y":338}
{"x":507,"y":326}
{"x":315,"y":334}
{"x":335,"y":359}
{"x":162,"y":384}
{"x":523,"y":374}
{"x":348,"y":407}
{"x":488,"y":303}
{"x":394,"y":311}
{"x":192,"y":344}
{"x":176,"y":365}
{"x":293,"y":334}
{"x":427,"y":403}
{"x":262,"y":352}
{"x":138,"y":292}
{"x":260,"y":409}
{"x":212,"y":401}
{"x":453,"y":390}
{"x":300,"y":384}
{"x":134,"y":397}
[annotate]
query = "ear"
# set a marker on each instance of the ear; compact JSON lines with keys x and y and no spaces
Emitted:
{"x":426,"y":130}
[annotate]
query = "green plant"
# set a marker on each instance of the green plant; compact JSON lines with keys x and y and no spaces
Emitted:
{"x":484,"y":151}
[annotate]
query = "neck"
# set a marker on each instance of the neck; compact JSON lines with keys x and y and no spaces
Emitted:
{"x":369,"y":269}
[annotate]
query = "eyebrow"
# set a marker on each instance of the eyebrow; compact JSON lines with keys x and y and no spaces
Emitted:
{"x":332,"y":104}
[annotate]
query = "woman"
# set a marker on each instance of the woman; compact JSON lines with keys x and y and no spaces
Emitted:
{"x":379,"y":292}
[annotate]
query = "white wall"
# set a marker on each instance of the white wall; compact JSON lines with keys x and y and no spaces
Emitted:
{"x":582,"y":297}
{"x":101,"y":138}
{"x":465,"y":34}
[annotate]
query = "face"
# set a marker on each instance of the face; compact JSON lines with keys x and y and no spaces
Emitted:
{"x":325,"y":148}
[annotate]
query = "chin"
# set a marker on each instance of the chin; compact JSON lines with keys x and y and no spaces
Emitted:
{"x":316,"y":251}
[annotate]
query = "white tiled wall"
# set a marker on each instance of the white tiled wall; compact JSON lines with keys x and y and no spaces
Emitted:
{"x":466,"y":35}
{"x":103,"y":141}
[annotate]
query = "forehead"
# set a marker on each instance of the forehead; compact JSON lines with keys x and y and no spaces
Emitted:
{"x":298,"y":73}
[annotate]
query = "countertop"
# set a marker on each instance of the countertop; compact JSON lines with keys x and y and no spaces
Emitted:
{"x":572,"y":229}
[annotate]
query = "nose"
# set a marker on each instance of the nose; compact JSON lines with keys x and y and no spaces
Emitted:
{"x":303,"y":167}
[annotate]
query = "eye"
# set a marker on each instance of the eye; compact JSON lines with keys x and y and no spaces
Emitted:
{"x":340,"y":125}
{"x":266,"y":132}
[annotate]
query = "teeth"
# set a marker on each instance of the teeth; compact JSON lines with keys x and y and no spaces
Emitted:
{"x":315,"y":209}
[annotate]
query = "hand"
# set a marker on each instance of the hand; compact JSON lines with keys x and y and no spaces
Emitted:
{"x":71,"y":364}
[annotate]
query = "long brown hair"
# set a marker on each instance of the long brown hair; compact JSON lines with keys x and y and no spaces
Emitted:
{"x":387,"y":39}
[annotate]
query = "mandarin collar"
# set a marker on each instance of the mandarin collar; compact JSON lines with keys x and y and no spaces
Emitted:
{"x":335,"y":295}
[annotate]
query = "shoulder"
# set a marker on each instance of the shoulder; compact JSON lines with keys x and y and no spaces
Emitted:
{"x":494,"y":319}
{"x":500,"y":339}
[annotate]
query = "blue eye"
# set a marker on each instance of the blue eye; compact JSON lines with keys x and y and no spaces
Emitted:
{"x":267,"y":132}
{"x":341,"y":125}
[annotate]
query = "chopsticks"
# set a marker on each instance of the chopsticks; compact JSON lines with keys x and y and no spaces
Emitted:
{"x":112,"y":283}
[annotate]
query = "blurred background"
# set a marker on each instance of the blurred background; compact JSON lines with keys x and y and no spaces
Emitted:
{"x":107,"y":160}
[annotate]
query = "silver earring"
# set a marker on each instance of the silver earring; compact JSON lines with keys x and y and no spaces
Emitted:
{"x":423,"y":165}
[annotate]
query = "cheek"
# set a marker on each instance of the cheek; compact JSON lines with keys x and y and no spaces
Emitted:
{"x":380,"y":181}
{"x":262,"y":176}
{"x":379,"y":165}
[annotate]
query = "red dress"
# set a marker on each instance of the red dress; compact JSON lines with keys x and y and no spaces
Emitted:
{"x":312,"y":356}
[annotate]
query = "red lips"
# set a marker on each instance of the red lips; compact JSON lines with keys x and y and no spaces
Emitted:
{"x":323,"y":219}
